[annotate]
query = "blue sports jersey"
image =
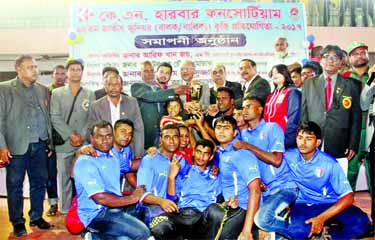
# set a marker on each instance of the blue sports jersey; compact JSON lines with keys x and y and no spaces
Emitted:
{"x":95,"y":175}
{"x":198,"y":188}
{"x":269,"y":137}
{"x":320,"y":180}
{"x":125,"y":156}
{"x":153,"y":173}
{"x":237,"y":168}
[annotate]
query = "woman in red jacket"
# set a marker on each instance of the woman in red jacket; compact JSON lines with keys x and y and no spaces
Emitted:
{"x":283,"y":105}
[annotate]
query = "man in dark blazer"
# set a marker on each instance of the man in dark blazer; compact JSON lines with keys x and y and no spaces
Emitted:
{"x":255,"y":85}
{"x":25,"y":133}
{"x":101,"y":92}
{"x":218,"y":76}
{"x":102,"y":108}
{"x":151,"y":99}
{"x":338,"y":114}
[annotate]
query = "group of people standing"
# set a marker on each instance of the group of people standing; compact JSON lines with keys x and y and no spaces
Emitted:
{"x":238,"y":158}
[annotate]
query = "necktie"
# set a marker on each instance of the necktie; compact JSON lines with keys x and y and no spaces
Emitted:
{"x":188,"y":97}
{"x":328,"y":93}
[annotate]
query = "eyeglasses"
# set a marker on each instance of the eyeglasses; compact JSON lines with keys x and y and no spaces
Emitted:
{"x":357,"y":54}
{"x":333,"y":58}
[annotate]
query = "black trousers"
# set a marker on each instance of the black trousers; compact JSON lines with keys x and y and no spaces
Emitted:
{"x":371,"y":162}
{"x":190,"y":223}
{"x":184,"y":225}
{"x":233,"y":224}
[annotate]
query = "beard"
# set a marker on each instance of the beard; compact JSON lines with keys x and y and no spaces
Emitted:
{"x":162,"y":80}
{"x":361,"y":64}
{"x":281,"y":54}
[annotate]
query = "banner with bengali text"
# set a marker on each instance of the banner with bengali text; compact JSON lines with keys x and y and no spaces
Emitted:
{"x":125,"y":35}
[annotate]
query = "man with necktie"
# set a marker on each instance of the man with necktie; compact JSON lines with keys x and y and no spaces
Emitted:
{"x":332,"y":101}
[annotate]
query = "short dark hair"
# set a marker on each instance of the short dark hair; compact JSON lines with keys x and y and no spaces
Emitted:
{"x":124,"y":121}
{"x":205,"y":143}
{"x":296,"y":70}
{"x":175,"y":98}
{"x":330,"y":48}
{"x":229,"y":119}
{"x":253,"y":63}
{"x":110,"y":69}
{"x":315,"y":52}
{"x":169,"y":126}
{"x":283,"y":70}
{"x":315,"y":66}
{"x":73,"y":62}
{"x":58,"y":67}
{"x":255,"y":98}
{"x":20,"y":59}
{"x":238,"y":107}
{"x":99,"y":124}
{"x":227,"y":90}
{"x":310,"y":128}
{"x":181,"y":125}
{"x":165,"y":64}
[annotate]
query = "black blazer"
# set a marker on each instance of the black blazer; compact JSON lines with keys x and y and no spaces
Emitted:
{"x":259,"y":87}
{"x":341,"y":125}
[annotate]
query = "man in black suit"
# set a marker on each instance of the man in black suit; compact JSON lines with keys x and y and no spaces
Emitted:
{"x":151,"y":98}
{"x":332,"y":101}
{"x":218,"y":76}
{"x":255,"y":85}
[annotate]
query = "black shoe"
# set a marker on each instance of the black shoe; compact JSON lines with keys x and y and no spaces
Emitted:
{"x":40,"y":223}
{"x":19,"y":230}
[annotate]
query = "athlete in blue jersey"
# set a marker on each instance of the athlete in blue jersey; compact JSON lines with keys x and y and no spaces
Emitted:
{"x":325,"y":196}
{"x":240,"y":177}
{"x":153,"y":174}
{"x":123,"y":135}
{"x":266,"y":141}
{"x":195,"y":192}
{"x":100,"y":202}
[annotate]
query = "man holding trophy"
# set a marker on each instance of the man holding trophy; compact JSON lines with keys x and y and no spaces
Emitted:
{"x":199,"y":97}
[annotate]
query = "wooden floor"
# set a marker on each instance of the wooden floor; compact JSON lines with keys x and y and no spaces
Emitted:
{"x":59,"y":232}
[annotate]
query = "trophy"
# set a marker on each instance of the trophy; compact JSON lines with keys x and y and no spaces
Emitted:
{"x":196,"y":91}
{"x":195,"y":96}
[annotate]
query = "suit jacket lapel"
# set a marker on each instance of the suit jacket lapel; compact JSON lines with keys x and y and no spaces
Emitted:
{"x":42,"y":101}
{"x":18,"y":90}
{"x":255,"y":80}
{"x":106,"y":110}
{"x":123,"y":106}
{"x":38,"y":94}
{"x":339,"y":89}
{"x":321,"y":85}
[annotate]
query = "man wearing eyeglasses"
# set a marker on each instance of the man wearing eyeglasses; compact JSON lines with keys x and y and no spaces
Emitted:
{"x":359,"y":67}
{"x":332,"y":101}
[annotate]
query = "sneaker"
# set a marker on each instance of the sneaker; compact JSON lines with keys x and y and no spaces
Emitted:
{"x":52,"y":211}
{"x":19,"y":230}
{"x":40,"y":223}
